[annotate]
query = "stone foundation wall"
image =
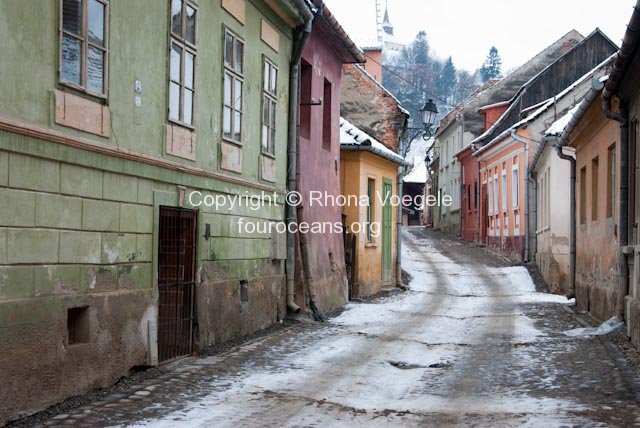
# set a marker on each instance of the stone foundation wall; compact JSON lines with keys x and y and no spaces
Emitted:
{"x":78,"y":257}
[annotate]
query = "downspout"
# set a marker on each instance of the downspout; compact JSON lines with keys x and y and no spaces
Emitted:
{"x":461,"y":194}
{"x":623,"y":215}
{"x":572,"y":216}
{"x":461,"y":173}
{"x":533,"y":245}
{"x":301,"y":35}
{"x":402,"y":171}
{"x":561,"y":141}
{"x":516,"y":137}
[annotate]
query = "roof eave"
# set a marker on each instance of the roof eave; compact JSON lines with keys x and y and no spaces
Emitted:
{"x":624,"y":56}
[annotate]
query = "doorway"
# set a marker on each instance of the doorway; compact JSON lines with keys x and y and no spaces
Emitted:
{"x":176,"y":282}
{"x":386,"y":230}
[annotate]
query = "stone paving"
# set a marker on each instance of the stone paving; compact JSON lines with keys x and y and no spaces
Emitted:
{"x":467,"y":346}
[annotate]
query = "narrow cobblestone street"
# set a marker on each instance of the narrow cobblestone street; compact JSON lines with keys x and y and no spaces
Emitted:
{"x":471,"y":343}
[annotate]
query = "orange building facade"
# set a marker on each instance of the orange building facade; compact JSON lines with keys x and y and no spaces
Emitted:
{"x":595,"y":140}
{"x":502,"y":168}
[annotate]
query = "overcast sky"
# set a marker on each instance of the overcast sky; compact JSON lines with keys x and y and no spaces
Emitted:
{"x":466,"y":29}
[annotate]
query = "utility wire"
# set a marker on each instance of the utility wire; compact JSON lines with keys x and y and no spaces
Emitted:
{"x":399,"y":76}
{"x":384,"y":67}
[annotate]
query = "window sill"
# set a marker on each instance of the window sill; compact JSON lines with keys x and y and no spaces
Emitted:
{"x":83,"y":91}
{"x":269,"y":155}
{"x":181,"y":124}
{"x":234,"y":142}
{"x":370,"y":245}
{"x":76,"y":345}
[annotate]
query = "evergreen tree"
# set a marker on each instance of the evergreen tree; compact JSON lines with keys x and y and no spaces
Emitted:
{"x":410,"y":74}
{"x":420,"y":48}
{"x":465,"y":86}
{"x":447,"y":80}
{"x":492,"y":67}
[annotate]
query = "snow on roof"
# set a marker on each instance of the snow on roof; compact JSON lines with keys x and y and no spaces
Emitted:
{"x":419,"y":147}
{"x":368,"y":43}
{"x":494,"y":105}
{"x":548,"y":67}
{"x":419,"y":172}
{"x":351,"y":135}
{"x":548,"y":103}
{"x":557,"y":127}
{"x":570,"y":88}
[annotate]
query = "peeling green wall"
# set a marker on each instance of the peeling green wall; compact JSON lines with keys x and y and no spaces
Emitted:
{"x":80,"y":228}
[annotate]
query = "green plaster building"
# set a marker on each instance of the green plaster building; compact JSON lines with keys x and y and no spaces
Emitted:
{"x":112,"y":114}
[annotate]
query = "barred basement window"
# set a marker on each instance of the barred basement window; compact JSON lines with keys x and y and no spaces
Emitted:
{"x":269,"y":106}
{"x":182,"y":62}
{"x":233,"y":86}
{"x":84,"y":44}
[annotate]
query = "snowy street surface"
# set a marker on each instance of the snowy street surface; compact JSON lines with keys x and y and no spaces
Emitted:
{"x":471,"y":344}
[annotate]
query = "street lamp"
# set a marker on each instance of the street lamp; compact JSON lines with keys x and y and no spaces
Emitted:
{"x":429,"y":113}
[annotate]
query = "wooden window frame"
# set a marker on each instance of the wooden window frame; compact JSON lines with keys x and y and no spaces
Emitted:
{"x":235,"y":76}
{"x":84,"y":50}
{"x":490,"y":195}
{"x":271,"y":98}
{"x":371,"y":212}
{"x":476,"y":194}
{"x":186,"y":46}
{"x":327,"y":114}
{"x":583,"y":195}
{"x":595,"y":183}
{"x":504,"y":195}
{"x":496,"y":198}
{"x":611,"y":180}
{"x":515,"y":187}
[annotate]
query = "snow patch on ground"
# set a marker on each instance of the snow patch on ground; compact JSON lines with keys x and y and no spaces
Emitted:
{"x":411,"y":352}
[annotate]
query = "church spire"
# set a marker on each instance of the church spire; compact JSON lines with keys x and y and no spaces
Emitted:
{"x":386,"y":24}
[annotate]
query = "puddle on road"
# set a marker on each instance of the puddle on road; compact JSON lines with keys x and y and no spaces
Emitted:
{"x":407,"y":366}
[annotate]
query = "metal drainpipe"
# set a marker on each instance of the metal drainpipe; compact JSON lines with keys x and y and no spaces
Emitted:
{"x":533,"y":207}
{"x":572,"y":217}
{"x":301,"y":36}
{"x":623,"y":227}
{"x":526,"y":193}
{"x":460,"y":186}
{"x":402,"y":171}
{"x":461,"y":173}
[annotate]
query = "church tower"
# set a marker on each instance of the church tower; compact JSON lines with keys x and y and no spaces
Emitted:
{"x":386,"y":24}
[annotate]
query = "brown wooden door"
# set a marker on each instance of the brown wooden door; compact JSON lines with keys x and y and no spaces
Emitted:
{"x":176,"y":282}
